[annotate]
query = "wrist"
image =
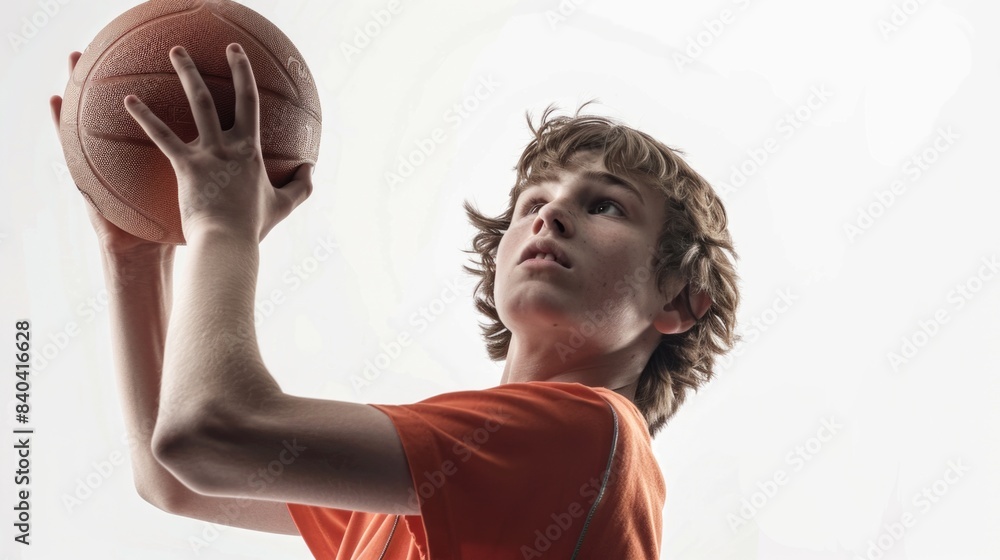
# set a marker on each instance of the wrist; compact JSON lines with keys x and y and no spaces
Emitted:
{"x":153,"y":254}
{"x":138,"y":270}
{"x":216,"y":234}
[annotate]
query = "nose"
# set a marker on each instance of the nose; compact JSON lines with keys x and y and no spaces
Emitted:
{"x":555,"y":217}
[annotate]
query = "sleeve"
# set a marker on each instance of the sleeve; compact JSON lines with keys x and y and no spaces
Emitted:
{"x":322,"y":528}
{"x":491,"y":467}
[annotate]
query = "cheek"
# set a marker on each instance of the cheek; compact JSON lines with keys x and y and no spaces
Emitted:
{"x":615,"y":282}
{"x":501,"y":272}
{"x":504,"y":259}
{"x":624,"y":278}
{"x":501,"y":257}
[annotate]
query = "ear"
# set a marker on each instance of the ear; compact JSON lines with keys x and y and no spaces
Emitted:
{"x":682,"y":312}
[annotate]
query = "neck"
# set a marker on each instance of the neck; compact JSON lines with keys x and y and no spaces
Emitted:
{"x":532,"y":358}
{"x":628,"y":391}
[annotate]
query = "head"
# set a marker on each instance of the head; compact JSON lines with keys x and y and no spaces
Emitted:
{"x":650,"y":277}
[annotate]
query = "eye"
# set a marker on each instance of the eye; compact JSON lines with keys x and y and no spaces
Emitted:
{"x":531,"y":204}
{"x":534,"y":203}
{"x":613,"y":204}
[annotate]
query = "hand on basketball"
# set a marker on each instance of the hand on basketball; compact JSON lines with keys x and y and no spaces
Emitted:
{"x":221,"y":180}
{"x":112,"y":238}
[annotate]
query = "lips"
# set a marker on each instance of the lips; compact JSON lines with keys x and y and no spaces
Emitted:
{"x":547,"y":247}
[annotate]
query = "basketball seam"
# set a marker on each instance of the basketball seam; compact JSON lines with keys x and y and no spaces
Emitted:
{"x":291,"y":80}
{"x":79,"y":109}
{"x":146,"y":142}
{"x":112,"y":79}
{"x":84,"y":88}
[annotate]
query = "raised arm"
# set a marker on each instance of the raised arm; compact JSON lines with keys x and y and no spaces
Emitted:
{"x":225,"y":428}
{"x":138,"y":279}
{"x":139,"y":300}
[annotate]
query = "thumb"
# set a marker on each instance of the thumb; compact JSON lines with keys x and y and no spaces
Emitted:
{"x":298,"y":190}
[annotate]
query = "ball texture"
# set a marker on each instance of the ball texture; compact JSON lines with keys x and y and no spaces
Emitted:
{"x":120,"y":171}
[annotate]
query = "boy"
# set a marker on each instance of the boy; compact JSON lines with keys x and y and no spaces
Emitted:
{"x":604,"y":321}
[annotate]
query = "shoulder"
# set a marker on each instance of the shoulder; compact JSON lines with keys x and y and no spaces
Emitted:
{"x":536,"y":419}
{"x":574,"y":402}
{"x":544,"y":394}
{"x":548,"y":444}
{"x":536,"y":406}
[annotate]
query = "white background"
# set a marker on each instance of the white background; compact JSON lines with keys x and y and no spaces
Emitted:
{"x":897,"y":430}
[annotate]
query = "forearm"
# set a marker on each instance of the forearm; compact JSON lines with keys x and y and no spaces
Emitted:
{"x":139,"y":298}
{"x":212,"y":362}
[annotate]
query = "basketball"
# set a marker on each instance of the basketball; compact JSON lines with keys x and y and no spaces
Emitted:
{"x":112,"y":160}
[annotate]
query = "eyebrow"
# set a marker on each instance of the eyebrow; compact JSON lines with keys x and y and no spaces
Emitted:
{"x":601,"y":177}
{"x":612,"y":180}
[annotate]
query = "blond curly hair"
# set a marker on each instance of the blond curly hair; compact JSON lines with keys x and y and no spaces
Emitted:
{"x":694,"y":245}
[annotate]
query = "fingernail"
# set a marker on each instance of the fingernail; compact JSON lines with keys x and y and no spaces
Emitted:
{"x":237,"y":48}
{"x":181,"y":51}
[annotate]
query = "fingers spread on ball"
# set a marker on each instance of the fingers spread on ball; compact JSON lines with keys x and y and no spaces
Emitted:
{"x":158,"y":132}
{"x":200,"y":98}
{"x":245,"y":86}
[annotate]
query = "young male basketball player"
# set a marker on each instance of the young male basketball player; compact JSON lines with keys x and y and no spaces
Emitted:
{"x":608,"y":291}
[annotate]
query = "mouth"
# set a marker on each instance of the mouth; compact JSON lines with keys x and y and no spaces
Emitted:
{"x":542,"y":252}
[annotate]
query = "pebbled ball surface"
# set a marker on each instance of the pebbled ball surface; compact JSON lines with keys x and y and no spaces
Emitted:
{"x":112,"y":160}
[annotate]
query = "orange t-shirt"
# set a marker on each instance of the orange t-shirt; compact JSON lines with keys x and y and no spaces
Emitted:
{"x":510,"y":472}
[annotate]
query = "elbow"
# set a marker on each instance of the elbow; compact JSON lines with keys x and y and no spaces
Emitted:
{"x":149,"y":495}
{"x":158,"y":499}
{"x":207,"y":450}
{"x":169,"y":498}
{"x":172,"y":446}
{"x":186,"y":452}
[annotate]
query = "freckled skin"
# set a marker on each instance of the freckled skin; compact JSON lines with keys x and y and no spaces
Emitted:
{"x":610,"y":251}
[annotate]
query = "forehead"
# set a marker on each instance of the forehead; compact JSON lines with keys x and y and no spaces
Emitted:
{"x":589,"y":165}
